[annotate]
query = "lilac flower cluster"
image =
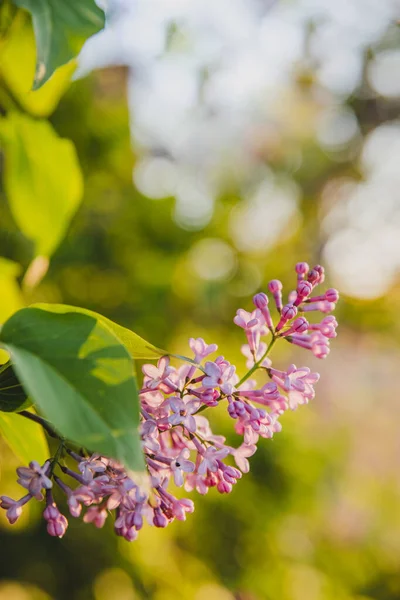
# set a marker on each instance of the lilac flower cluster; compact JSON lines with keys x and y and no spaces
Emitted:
{"x":178,"y":443}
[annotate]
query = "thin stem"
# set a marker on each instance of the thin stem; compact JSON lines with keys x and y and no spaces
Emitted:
{"x":56,"y":458}
{"x":201,"y":409}
{"x":189,"y":360}
{"x":258,"y":363}
{"x":45,"y":424}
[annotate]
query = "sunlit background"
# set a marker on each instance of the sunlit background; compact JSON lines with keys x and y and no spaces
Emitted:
{"x":227,"y":140}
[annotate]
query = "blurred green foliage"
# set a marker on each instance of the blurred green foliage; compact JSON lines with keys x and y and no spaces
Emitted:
{"x":60,"y":30}
{"x":318,"y":516}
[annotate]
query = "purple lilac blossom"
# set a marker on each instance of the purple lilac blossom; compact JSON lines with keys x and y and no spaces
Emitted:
{"x":178,"y":443}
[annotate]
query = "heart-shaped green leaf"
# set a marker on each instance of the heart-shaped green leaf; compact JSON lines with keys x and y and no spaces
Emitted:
{"x":61,"y":27}
{"x":81,"y":378}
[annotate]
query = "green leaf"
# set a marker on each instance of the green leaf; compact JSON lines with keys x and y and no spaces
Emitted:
{"x":81,"y":378}
{"x":13,"y":397}
{"x":17,"y":71}
{"x":137,"y":347}
{"x":42,"y":179}
{"x":61,"y":27}
{"x":11,"y":297}
{"x":25,"y":438}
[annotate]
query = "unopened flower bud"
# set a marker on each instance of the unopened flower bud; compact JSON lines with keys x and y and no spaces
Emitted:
{"x":56,"y":522}
{"x":58,"y":527}
{"x":301,"y":269}
{"x":315,"y":275}
{"x":261,"y":302}
{"x":304,"y":289}
{"x":159,"y":520}
{"x":289,"y":311}
{"x":224,"y":487}
{"x":321,"y":272}
{"x":51,"y":512}
{"x":332,"y":295}
{"x":275,"y":287}
{"x":299,"y":325}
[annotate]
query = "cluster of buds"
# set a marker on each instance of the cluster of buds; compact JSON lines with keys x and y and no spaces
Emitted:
{"x":179,"y":445}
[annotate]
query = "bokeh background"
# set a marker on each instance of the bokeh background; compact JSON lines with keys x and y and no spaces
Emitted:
{"x":224,"y":142}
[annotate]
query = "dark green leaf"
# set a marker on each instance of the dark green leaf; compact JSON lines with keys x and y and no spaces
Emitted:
{"x":12,"y":395}
{"x":137,"y":347}
{"x":80,"y":376}
{"x":61,"y":27}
